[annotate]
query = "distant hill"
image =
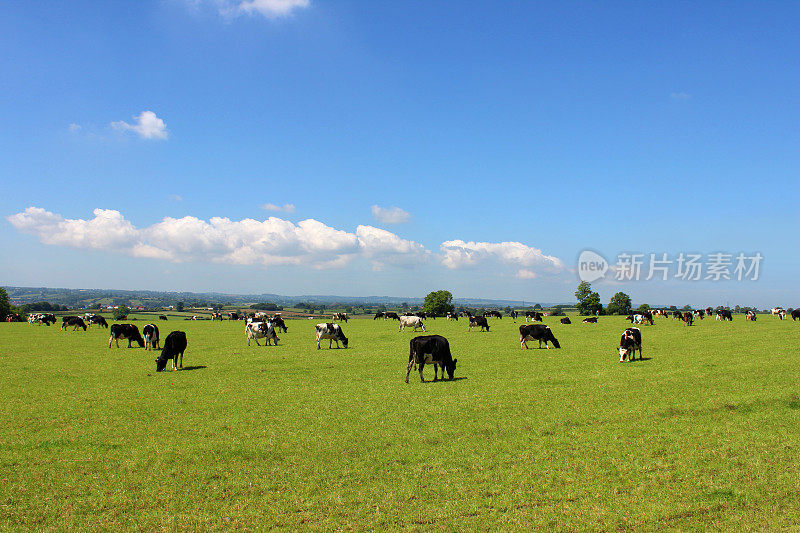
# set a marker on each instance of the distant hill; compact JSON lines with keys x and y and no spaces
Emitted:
{"x":152,"y":299}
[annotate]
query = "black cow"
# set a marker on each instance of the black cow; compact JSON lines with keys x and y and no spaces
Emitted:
{"x":677,"y":315}
{"x":100,"y":321}
{"x":630,"y":342}
{"x":393,"y":316}
{"x":174,"y":346}
{"x":724,"y":314}
{"x":709,"y":312}
{"x":566,"y":320}
{"x":151,"y":339}
{"x":688,"y":318}
{"x":590,"y":320}
{"x":535,"y":316}
{"x":700,"y":313}
{"x":332,"y":332}
{"x":452,"y":316}
{"x":125,"y":331}
{"x":48,"y":319}
{"x":431,"y":349}
{"x":478,"y":321}
{"x":536,"y":332}
{"x":513,"y":315}
{"x":75,"y":321}
{"x":379,"y":315}
{"x":495,"y":314}
{"x":162,"y":317}
{"x":233,"y":316}
{"x":796,"y":314}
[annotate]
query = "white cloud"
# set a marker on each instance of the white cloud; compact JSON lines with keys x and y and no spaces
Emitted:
{"x":384,"y":247}
{"x":460,"y":254}
{"x":74,"y":128}
{"x":176,"y":197}
{"x":147,"y":126}
{"x":391,"y":215}
{"x":273,"y":241}
{"x":680,"y":96}
{"x":271,"y":8}
{"x":286,"y":208}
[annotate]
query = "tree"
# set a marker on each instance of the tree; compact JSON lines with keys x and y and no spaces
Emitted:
{"x":5,"y":305}
{"x":620,"y":304}
{"x":179,"y":306}
{"x":537,"y":307}
{"x":588,"y":300}
{"x":120,"y":312}
{"x":438,"y":302}
{"x":643,"y":307}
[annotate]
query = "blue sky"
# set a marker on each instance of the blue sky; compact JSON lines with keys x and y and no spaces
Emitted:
{"x":145,"y":145}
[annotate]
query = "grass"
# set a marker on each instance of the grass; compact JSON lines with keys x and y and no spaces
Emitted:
{"x":702,"y":434}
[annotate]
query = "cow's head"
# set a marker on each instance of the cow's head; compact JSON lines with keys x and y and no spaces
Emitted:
{"x":344,"y":340}
{"x":554,"y":341}
{"x":623,"y":353}
{"x":161,"y":364}
{"x":451,"y":369}
{"x":139,"y":340}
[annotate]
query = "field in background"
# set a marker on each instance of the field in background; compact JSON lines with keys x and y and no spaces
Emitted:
{"x":701,"y":434}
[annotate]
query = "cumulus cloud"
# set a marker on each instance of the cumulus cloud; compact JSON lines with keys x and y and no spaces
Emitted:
{"x":384,"y":247}
{"x":391,"y":215}
{"x":286,"y":208}
{"x":147,"y":126}
{"x":461,"y":254}
{"x":273,"y":241}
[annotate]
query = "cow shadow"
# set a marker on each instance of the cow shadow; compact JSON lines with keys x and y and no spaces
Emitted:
{"x":430,"y":381}
{"x":641,"y":359}
{"x":196,"y":367}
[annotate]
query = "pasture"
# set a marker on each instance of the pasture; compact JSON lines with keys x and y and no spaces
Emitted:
{"x":703,"y":433}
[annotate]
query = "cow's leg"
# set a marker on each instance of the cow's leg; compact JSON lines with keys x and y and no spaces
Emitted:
{"x":435,"y":370}
{"x":111,"y":338}
{"x":421,"y":367}
{"x":408,"y":368}
{"x":522,"y":343}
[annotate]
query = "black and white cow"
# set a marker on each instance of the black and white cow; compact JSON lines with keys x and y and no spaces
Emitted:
{"x":279,"y":324}
{"x":452,"y":316}
{"x":724,"y":314}
{"x":536,"y":332}
{"x":412,"y":322}
{"x":478,"y":321}
{"x":233,"y":316}
{"x":162,"y":317}
{"x":340,"y":316}
{"x":174,"y":346}
{"x":125,"y":331}
{"x":590,"y":320}
{"x":260,"y":330}
{"x":393,"y":316}
{"x":431,"y":349}
{"x":534,"y":316}
{"x":699,"y":313}
{"x":630,"y":342}
{"x":513,"y":314}
{"x":151,"y":339}
{"x":709,"y":312}
{"x":566,"y":320}
{"x":332,"y":332}
{"x":495,"y":314}
{"x":750,"y":315}
{"x":379,"y":315}
{"x":75,"y":321}
{"x":688,"y":318}
{"x":99,"y":320}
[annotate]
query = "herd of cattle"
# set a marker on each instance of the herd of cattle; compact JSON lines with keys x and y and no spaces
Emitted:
{"x":425,"y":349}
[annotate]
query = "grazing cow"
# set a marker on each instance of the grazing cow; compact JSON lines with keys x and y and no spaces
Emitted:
{"x":174,"y":346}
{"x":796,"y":314}
{"x":233,"y":316}
{"x":495,"y":314}
{"x":590,"y":320}
{"x":782,"y":315}
{"x":278,"y":323}
{"x":709,"y":312}
{"x":536,"y":332}
{"x":162,"y":317}
{"x":534,"y":316}
{"x":630,"y":342}
{"x":260,"y":330}
{"x":13,"y":317}
{"x":478,"y":321}
{"x":724,"y":314}
{"x":637,"y":318}
{"x":99,"y":320}
{"x":411,"y":321}
{"x":431,"y":349}
{"x":391,"y":315}
{"x":216,"y":316}
{"x":677,"y":315}
{"x":75,"y":321}
{"x":421,"y":314}
{"x":340,"y":316}
{"x":452,"y":316}
{"x":151,"y":340}
{"x":513,"y":314}
{"x":332,"y":332}
{"x":699,"y":313}
{"x":566,"y":320}
{"x":688,"y":318}
{"x":379,"y":315}
{"x":776,"y":310}
{"x":750,"y":315}
{"x":125,"y":331}
{"x":48,"y":319}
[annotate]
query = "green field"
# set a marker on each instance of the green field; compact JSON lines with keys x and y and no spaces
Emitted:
{"x":702,"y":434}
